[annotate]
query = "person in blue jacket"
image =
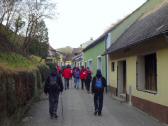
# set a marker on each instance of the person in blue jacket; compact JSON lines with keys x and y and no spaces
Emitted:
{"x":98,"y":86}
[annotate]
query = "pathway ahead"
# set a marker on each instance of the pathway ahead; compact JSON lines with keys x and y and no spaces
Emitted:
{"x":78,"y":109}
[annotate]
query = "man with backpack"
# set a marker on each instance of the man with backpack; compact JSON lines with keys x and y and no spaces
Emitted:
{"x":98,"y":86}
{"x":53,"y":87}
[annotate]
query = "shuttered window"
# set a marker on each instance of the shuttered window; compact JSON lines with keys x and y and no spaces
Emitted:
{"x":150,"y":72}
{"x":146,"y":72}
{"x":113,"y":66}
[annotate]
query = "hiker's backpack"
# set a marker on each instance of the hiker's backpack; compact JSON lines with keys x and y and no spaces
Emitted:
{"x":89,"y":76}
{"x":77,"y":74}
{"x":99,"y":84}
{"x":53,"y":84}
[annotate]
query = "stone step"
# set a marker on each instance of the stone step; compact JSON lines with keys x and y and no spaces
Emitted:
{"x":123,"y":96}
{"x":121,"y":100}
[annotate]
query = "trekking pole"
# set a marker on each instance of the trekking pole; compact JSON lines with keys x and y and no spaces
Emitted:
{"x":62,"y":109}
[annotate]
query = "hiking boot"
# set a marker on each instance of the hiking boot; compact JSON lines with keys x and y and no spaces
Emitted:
{"x":56,"y":116}
{"x":51,"y":116}
{"x":95,"y":113}
{"x":99,"y":113}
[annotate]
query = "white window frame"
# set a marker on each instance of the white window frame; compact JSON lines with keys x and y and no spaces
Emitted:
{"x":88,"y":64}
{"x":85,"y":63}
{"x":99,"y":57}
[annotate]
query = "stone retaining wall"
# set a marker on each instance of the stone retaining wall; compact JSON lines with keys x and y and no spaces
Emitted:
{"x":17,"y":89}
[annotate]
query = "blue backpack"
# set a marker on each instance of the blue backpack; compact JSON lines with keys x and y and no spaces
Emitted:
{"x":99,"y":84}
{"x":77,"y":74}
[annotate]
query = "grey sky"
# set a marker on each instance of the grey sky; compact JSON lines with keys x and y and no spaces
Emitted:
{"x":79,"y":20}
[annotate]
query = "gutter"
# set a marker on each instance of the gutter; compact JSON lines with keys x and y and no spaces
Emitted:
{"x":136,"y":43}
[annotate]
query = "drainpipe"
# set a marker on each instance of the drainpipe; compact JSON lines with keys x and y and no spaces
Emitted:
{"x":130,"y":95}
{"x":106,"y":62}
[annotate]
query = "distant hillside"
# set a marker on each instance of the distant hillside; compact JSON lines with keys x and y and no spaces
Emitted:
{"x":70,"y":52}
{"x":66,"y":50}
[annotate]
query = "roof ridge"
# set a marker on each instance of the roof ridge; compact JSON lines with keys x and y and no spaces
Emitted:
{"x":115,"y":26}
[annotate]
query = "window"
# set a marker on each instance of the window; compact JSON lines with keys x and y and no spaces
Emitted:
{"x":147,"y":72}
{"x":90,"y":64}
{"x":113,"y":66}
{"x":81,"y":63}
{"x":99,"y":63}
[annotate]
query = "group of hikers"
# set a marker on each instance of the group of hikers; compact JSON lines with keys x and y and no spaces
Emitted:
{"x":54,"y":85}
{"x":83,"y":75}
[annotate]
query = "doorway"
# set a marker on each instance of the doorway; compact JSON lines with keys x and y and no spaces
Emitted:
{"x":121,"y":77}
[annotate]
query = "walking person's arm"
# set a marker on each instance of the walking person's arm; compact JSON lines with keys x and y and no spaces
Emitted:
{"x":46,"y":86}
{"x":105,"y":84}
{"x":93,"y":85}
{"x":60,"y":83}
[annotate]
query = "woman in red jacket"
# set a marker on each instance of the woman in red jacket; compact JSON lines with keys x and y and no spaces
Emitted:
{"x":67,"y":74}
{"x":83,"y":76}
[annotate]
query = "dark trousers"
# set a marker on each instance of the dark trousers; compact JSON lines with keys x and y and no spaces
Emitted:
{"x":98,"y":102}
{"x":82,"y":84}
{"x":87,"y":83}
{"x":53,"y":103}
{"x":66,"y":83}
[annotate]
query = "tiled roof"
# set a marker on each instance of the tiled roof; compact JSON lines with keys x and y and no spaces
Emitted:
{"x":148,"y":26}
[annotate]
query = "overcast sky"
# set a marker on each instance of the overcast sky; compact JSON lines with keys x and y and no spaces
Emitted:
{"x":79,"y":20}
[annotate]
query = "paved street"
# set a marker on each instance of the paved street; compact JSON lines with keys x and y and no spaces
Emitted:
{"x":78,"y":109}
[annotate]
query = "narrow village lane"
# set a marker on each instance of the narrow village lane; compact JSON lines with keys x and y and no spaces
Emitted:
{"x":78,"y":109}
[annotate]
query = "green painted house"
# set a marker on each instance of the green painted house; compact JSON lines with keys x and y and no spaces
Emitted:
{"x":93,"y":55}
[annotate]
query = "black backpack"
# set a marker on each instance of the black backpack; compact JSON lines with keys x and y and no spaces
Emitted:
{"x":53,"y":85}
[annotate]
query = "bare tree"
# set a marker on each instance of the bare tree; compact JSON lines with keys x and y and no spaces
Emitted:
{"x":23,"y":16}
{"x":36,"y":12}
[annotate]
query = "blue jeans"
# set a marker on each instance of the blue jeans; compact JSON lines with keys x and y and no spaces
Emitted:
{"x":98,"y":102}
{"x":77,"y":82}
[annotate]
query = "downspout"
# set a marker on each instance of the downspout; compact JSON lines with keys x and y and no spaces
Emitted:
{"x":106,"y":57}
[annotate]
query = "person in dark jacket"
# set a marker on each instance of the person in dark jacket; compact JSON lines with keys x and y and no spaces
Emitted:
{"x":88,"y":79}
{"x":53,"y":87}
{"x":98,"y":86}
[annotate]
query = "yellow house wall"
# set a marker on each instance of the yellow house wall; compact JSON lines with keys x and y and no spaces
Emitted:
{"x":162,"y":78}
{"x":113,"y":75}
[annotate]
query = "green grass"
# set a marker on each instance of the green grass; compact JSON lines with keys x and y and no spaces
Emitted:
{"x":17,"y":61}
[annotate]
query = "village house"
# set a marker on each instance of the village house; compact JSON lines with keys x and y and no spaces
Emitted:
{"x":55,"y":57}
{"x":93,"y":55}
{"x":77,"y":58}
{"x":93,"y":52}
{"x":138,"y":59}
